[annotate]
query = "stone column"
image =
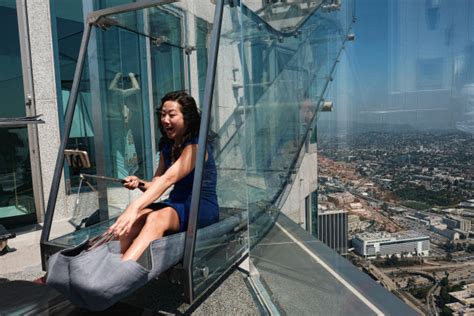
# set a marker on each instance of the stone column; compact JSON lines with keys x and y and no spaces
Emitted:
{"x":45,"y":98}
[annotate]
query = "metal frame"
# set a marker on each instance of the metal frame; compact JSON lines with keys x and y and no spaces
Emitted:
{"x":200,"y":160}
{"x":60,"y":157}
{"x":248,"y":12}
{"x":95,"y":16}
{"x":97,"y":98}
{"x":33,"y":143}
{"x":149,"y":95}
{"x":92,"y":19}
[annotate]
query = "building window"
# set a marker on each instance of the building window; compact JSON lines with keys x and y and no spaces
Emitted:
{"x":17,"y":206}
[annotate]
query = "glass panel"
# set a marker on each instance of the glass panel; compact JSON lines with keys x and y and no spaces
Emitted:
{"x":161,"y":26}
{"x":203,"y":31}
{"x":113,"y":49}
{"x":17,"y":203}
{"x":399,"y":143}
{"x":284,"y":16}
{"x":286,"y":80}
{"x":167,"y":56}
{"x":17,"y":206}
{"x":215,"y":254}
{"x":110,"y":121}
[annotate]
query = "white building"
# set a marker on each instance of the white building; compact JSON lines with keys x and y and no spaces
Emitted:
{"x":454,"y":222}
{"x":382,"y":243}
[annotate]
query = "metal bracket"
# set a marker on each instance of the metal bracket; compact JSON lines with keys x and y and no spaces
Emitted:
{"x":102,"y":22}
{"x":157,"y":41}
{"x":232,"y":3}
{"x":29,"y":100}
{"x":189,"y":49}
{"x":331,"y":7}
{"x":203,"y":270}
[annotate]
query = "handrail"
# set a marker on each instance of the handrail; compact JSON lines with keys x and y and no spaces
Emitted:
{"x":91,"y":20}
{"x":48,"y":219}
{"x":201,"y":155}
{"x":20,"y":121}
{"x":95,"y":16}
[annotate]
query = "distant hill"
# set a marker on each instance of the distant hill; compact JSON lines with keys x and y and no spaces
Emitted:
{"x":345,"y":128}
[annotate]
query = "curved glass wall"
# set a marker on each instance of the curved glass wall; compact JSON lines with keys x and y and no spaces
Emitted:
{"x":17,"y":204}
{"x":397,"y":151}
{"x":285,"y":93}
{"x":126,"y":91}
{"x":132,"y":60}
{"x":269,"y":89}
{"x":125,"y":76}
{"x":286,"y":16}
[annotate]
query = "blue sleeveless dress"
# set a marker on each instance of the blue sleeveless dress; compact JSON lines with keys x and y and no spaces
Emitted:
{"x":180,"y":196}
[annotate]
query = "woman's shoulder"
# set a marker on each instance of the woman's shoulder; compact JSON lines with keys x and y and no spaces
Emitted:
{"x":192,"y":140}
{"x":164,"y":144}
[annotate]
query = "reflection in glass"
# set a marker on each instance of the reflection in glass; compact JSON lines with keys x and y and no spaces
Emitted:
{"x":17,"y":204}
{"x":16,"y":189}
{"x":288,"y":78}
{"x":397,"y":152}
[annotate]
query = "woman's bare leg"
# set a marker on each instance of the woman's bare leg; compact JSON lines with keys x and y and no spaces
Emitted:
{"x":156,"y":225}
{"x":126,"y":241}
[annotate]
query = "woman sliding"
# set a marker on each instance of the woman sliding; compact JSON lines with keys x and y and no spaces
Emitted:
{"x":144,"y":220}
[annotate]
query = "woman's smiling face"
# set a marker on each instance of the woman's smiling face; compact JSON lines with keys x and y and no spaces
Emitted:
{"x":172,"y":120}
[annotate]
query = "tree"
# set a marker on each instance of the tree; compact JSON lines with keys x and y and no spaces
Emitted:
{"x":470,"y":248}
{"x":445,"y":311}
{"x":449,"y":246}
{"x":393,"y":260}
{"x":449,"y":256}
{"x":444,"y":282}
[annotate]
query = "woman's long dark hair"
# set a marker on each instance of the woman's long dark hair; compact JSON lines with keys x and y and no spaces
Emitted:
{"x":191,"y":115}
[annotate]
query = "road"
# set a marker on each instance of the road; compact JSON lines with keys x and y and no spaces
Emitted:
{"x":430,"y":299}
{"x":387,"y":282}
{"x":443,"y":267}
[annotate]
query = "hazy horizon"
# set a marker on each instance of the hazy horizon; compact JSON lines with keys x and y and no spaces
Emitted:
{"x":412,"y":63}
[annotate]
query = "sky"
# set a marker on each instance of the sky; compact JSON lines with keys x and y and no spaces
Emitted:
{"x":410,"y":65}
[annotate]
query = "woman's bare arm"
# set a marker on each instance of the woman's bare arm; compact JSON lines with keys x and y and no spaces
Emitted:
{"x":181,"y":168}
{"x":133,"y":182}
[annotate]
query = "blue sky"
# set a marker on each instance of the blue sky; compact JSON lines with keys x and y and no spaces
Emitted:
{"x":409,"y":65}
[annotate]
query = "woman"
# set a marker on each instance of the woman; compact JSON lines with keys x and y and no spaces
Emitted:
{"x":144,"y":221}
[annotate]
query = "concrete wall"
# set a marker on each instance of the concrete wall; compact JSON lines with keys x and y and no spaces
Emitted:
{"x":45,"y":99}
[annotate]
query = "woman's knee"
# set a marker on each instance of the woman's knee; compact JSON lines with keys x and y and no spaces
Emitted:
{"x":163,"y":220}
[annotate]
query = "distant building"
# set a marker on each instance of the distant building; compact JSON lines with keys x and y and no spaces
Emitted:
{"x":341,"y":199}
{"x":430,"y":219}
{"x":333,"y":230}
{"x":468,"y":204}
{"x":356,"y":225}
{"x":457,"y":222}
{"x":465,"y":301}
{"x":442,"y":229}
{"x":396,"y":209}
{"x":355,"y":206}
{"x":460,"y":309}
{"x":383,"y":243}
{"x":466,"y":212}
{"x":417,"y":219}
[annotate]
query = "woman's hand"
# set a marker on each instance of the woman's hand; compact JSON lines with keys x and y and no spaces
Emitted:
{"x":125,"y":221}
{"x":132,"y":182}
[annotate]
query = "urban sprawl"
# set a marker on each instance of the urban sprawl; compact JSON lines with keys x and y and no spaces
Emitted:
{"x":409,"y":196}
